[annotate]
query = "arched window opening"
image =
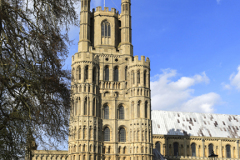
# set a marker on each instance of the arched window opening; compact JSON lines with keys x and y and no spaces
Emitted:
{"x":106,"y":112}
{"x":94,"y":107}
{"x":106,"y":29}
{"x":72,"y":107}
{"x":94,"y":75}
{"x":85,"y":3}
{"x":76,"y":107}
{"x":146,"y":109}
{"x":106,"y":134}
{"x":85,"y":106}
{"x":77,"y":73}
{"x":210,"y":149}
{"x":145,"y":78}
{"x":133,"y":77}
{"x":122,"y":135}
{"x":175,"y":148}
{"x":86,"y":73}
{"x":125,"y":73}
{"x":138,"y":109}
{"x":84,"y":130}
{"x":119,"y":149}
{"x":138,"y":76}
{"x":158,"y":147}
{"x":193,"y":147}
{"x":116,"y":73}
{"x":228,"y":151}
{"x":106,"y":73}
{"x":121,"y":112}
{"x":73,"y":72}
{"x":132,"y":108}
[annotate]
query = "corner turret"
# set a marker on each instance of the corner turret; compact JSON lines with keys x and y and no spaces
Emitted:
{"x":84,"y":35}
{"x":126,"y":28}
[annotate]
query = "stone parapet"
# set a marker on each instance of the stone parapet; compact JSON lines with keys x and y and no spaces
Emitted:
{"x":51,"y":154}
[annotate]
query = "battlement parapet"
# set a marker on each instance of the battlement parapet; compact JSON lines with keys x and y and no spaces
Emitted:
{"x":141,"y":62}
{"x":105,"y":51}
{"x":85,"y":57}
{"x":105,"y":11}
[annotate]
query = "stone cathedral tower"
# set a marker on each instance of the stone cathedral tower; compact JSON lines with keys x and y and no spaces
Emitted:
{"x":111,"y":107}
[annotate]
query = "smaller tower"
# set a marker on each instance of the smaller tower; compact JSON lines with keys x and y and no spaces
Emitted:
{"x":140,"y":108}
{"x":84,"y":36}
{"x":126,"y":30}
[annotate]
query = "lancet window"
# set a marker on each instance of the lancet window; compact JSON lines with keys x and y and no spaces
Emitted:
{"x":106,"y":112}
{"x":106,"y":134}
{"x":228,"y":151}
{"x":122,"y":135}
{"x":106,"y":73}
{"x":121,"y":112}
{"x":116,"y":73}
{"x":193,"y":147}
{"x":106,"y":29}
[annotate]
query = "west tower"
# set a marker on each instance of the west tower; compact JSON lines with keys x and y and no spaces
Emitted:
{"x":111,"y":108}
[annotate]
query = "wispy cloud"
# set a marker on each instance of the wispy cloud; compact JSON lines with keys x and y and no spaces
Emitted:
{"x":234,"y":81}
{"x":178,"y":95}
{"x":218,"y":1}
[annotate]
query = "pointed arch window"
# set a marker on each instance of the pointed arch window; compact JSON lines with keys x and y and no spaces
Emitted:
{"x":94,"y":107}
{"x":76,"y":107}
{"x":138,"y":109}
{"x":145,"y":78}
{"x":72,"y":109}
{"x":106,"y":29}
{"x":78,"y":73}
{"x":116,"y":73}
{"x":210,"y":149}
{"x":86,"y":73}
{"x":193,"y":147}
{"x":132,"y":108}
{"x":125,"y":73}
{"x":122,"y":135}
{"x":146,"y":109}
{"x":158,"y":147}
{"x":73,"y":72}
{"x":228,"y":151}
{"x":106,"y":112}
{"x":94,"y":75}
{"x":106,"y":73}
{"x":106,"y":134}
{"x":121,"y":112}
{"x":138,"y":76}
{"x":175,"y":148}
{"x":85,"y":106}
{"x":133,"y":77}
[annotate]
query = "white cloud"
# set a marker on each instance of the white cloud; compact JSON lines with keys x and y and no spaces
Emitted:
{"x":177,"y":95}
{"x":226,"y":86}
{"x":203,"y":103}
{"x":234,"y":81}
{"x":218,"y":1}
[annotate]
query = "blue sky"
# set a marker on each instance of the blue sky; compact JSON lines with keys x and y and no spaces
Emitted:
{"x":194,"y":48}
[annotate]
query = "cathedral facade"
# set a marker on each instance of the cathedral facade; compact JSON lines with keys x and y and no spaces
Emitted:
{"x":111,"y":117}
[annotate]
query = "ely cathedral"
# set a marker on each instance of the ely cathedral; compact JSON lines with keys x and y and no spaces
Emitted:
{"x":111,"y":116}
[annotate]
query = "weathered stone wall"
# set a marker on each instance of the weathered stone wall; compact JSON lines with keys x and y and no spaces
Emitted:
{"x":202,"y":146}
